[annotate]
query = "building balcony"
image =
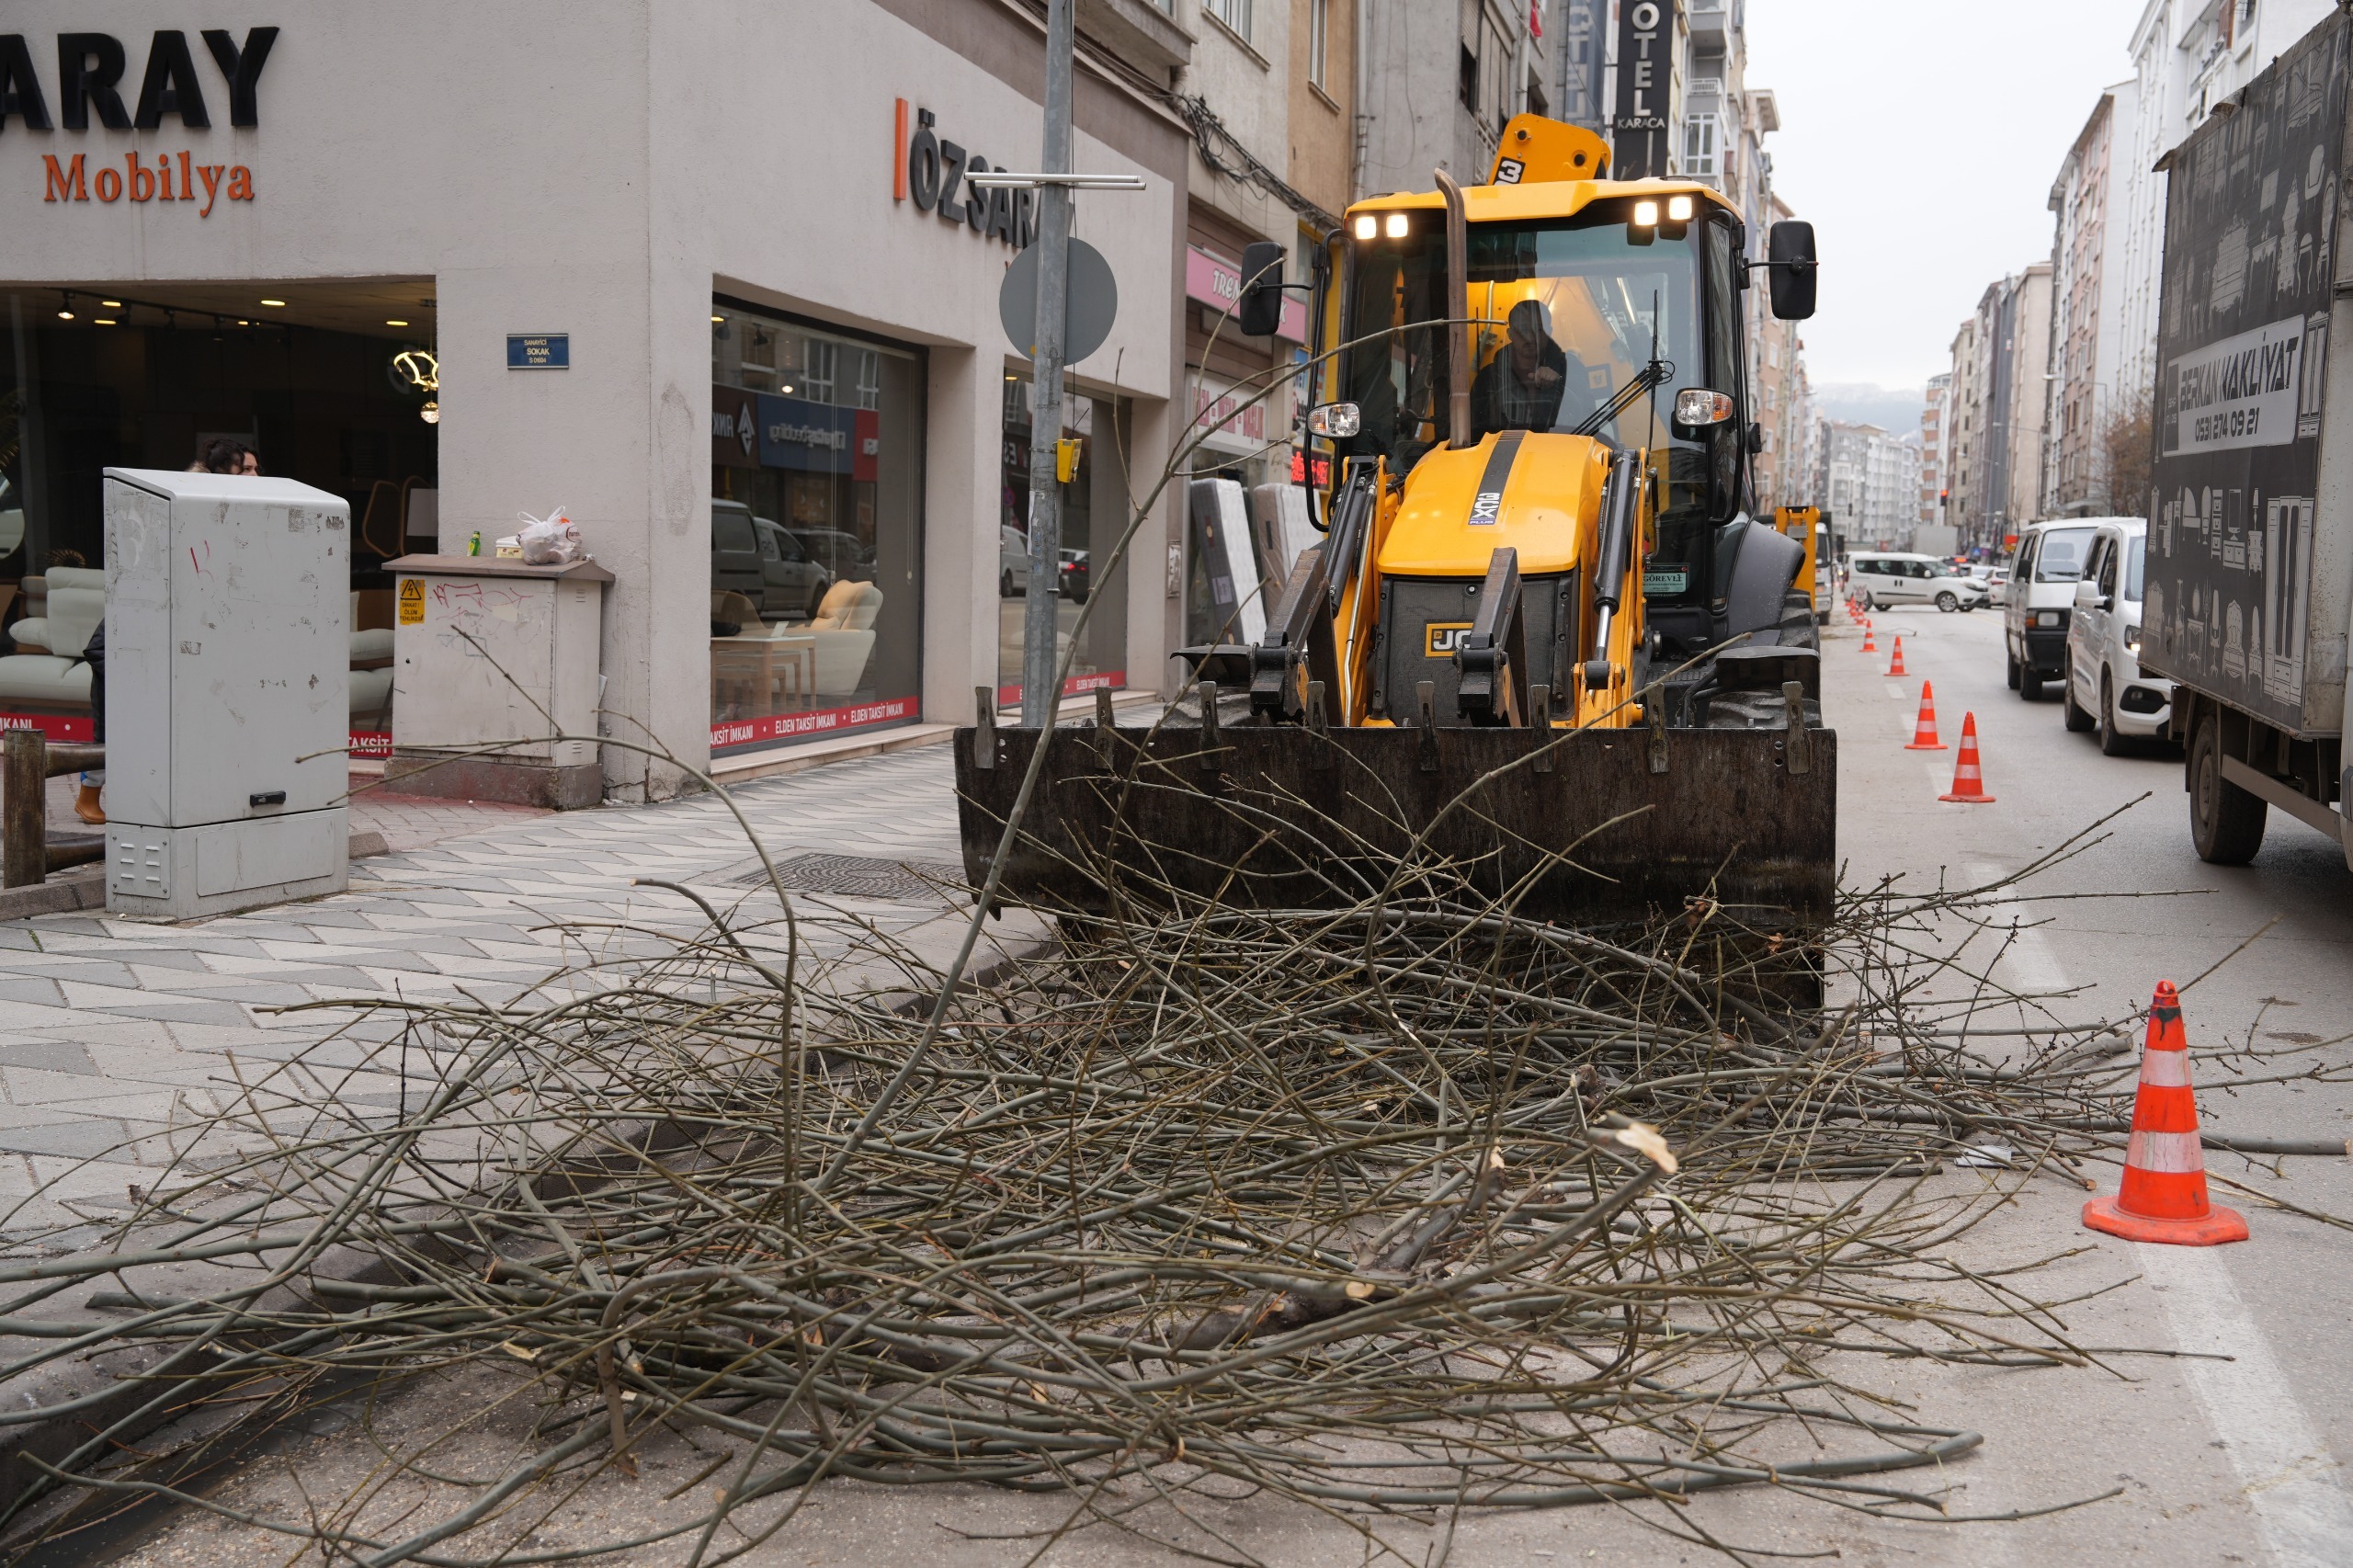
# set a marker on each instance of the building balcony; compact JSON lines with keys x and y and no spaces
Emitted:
{"x":1714,"y":22}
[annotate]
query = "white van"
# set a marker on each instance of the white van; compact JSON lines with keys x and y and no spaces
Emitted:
{"x":2105,"y":690}
{"x":1887,"y":577}
{"x":2041,"y":600}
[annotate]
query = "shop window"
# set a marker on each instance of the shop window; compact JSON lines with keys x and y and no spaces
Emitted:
{"x":817,"y":531}
{"x":334,"y":384}
{"x":1094,"y":514}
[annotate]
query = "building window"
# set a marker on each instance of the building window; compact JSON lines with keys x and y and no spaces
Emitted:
{"x":1094,"y":509}
{"x":816,"y":530}
{"x":1319,"y":39}
{"x":1234,"y":14}
{"x":1702,"y":147}
{"x":1466,"y":86}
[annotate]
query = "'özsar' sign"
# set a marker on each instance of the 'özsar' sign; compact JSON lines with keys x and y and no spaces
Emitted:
{"x":932,"y":169}
{"x":91,"y":71}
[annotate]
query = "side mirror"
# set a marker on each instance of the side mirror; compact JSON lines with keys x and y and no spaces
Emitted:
{"x":2088,"y":596}
{"x":1334,"y":421}
{"x":1260,"y":309}
{"x":1788,"y":254}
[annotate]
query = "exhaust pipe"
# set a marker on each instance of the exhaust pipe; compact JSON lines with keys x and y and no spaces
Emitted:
{"x":1458,"y":298}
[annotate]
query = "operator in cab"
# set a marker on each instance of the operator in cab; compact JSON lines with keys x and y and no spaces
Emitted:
{"x":1521,"y":387}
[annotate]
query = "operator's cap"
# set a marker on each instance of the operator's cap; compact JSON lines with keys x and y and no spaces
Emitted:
{"x":1529,"y":322}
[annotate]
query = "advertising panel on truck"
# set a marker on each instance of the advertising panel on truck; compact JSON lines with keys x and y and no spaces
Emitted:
{"x":2242,"y":351}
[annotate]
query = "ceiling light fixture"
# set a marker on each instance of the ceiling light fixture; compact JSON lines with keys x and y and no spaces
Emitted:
{"x":277,"y":303}
{"x":111,"y":304}
{"x":105,"y":321}
{"x":430,"y":413}
{"x":395,"y":324}
{"x":65,"y":308}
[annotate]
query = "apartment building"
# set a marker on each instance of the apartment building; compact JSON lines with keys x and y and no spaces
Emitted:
{"x":1933,"y":469}
{"x":2086,"y":338}
{"x":1870,"y":482}
{"x":2000,"y":362}
{"x":1439,"y":82}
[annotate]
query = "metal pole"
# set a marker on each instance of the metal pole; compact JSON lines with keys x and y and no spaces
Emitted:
{"x":1040,"y":692}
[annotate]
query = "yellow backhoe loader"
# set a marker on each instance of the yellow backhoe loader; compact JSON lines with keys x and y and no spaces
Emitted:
{"x":1537,"y":550}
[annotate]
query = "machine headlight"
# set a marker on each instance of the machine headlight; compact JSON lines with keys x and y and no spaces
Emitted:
{"x":1368,"y":226}
{"x":1696,"y":406}
{"x":2132,"y":639}
{"x":1646,"y":214}
{"x":1678,"y":210}
{"x":2048,"y":618}
{"x":1397,"y":225}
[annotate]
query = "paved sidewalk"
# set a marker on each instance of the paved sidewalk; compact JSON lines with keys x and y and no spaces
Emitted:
{"x":114,"y":1032}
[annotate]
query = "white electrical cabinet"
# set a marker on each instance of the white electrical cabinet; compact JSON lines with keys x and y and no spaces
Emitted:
{"x":228,"y":707}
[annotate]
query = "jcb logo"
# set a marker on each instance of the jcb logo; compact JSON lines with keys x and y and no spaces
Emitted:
{"x":1441,"y":638}
{"x":1484,"y":507}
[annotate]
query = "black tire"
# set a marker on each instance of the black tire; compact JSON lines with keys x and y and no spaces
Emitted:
{"x":2014,"y":674}
{"x":2029,"y":685}
{"x":1871,"y":605}
{"x":1948,"y":602}
{"x":2225,"y":821}
{"x":2111,"y":742}
{"x":1004,"y":584}
{"x":2077,"y":720}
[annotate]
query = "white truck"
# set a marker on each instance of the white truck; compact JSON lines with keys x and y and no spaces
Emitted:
{"x":2250,"y":558}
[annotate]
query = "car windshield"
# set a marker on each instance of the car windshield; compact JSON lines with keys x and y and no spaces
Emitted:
{"x":2061,"y":559}
{"x":1569,"y":311}
{"x":2134,"y":550}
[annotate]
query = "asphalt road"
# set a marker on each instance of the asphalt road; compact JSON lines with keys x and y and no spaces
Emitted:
{"x":2209,"y":1424}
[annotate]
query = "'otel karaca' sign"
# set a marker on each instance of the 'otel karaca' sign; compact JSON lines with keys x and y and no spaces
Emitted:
{"x":91,"y":69}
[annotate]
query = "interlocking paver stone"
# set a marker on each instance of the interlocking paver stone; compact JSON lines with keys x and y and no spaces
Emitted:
{"x":116,"y":1034}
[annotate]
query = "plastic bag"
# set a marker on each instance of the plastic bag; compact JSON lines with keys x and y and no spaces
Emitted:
{"x":550,"y":541}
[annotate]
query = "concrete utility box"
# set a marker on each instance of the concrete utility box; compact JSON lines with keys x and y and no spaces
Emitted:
{"x":491,"y":659}
{"x":228,"y":707}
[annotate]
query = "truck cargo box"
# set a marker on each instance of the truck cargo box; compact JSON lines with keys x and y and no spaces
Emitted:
{"x":2250,"y":564}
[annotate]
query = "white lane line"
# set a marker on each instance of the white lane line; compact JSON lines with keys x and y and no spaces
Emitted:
{"x":2285,"y":1471}
{"x":2027,"y":957}
{"x":1898,"y":693}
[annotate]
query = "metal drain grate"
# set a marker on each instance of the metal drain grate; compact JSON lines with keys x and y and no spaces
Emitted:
{"x":855,"y":876}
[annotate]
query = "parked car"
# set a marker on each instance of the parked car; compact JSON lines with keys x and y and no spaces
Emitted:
{"x":1997,"y":584}
{"x":2041,"y":600}
{"x":760,"y":559}
{"x":1012,"y":561}
{"x":1076,"y":570}
{"x":840,"y":553}
{"x":1883,"y":579}
{"x":2105,"y":690}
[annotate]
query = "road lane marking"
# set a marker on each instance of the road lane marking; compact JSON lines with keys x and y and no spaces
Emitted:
{"x":2285,"y":1472}
{"x":1897,"y":692}
{"x":2026,"y":955}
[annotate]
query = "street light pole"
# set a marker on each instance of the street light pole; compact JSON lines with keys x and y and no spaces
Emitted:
{"x":1040,"y":692}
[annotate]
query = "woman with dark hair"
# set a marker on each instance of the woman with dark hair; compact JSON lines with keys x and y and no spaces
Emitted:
{"x":223,"y":455}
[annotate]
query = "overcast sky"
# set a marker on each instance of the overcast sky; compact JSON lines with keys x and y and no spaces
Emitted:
{"x":1922,"y":139}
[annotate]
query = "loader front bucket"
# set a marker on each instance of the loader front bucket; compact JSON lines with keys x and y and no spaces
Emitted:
{"x":1609,"y":826}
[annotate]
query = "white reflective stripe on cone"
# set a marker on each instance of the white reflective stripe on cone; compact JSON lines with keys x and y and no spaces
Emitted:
{"x":2166,"y":1068}
{"x":2167,"y":1153}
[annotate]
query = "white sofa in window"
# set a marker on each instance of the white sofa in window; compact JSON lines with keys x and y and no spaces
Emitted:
{"x":46,"y":673}
{"x":844,"y":628}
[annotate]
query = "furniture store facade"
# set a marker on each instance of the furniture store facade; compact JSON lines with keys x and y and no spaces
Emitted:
{"x":705,"y":276}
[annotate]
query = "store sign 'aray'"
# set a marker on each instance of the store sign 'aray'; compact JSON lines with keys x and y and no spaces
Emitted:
{"x":92,"y":69}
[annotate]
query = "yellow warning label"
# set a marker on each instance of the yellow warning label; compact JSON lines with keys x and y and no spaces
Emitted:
{"x":413,"y":602}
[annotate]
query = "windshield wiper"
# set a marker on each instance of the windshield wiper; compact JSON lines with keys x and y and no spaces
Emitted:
{"x":1646,"y":380}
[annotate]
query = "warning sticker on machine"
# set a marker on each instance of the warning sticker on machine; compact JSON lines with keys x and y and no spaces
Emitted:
{"x":413,"y":602}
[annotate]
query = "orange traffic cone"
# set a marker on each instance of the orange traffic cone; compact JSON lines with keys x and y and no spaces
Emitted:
{"x":1968,"y":776}
{"x":1869,"y":646}
{"x":2163,"y":1195}
{"x":1924,"y":730}
{"x":1897,"y":668}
